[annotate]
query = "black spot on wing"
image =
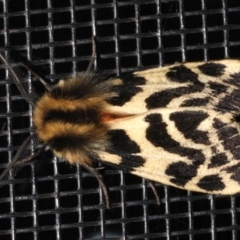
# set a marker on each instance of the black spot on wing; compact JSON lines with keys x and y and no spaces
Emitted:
{"x":236,"y":118}
{"x":123,"y":146}
{"x":128,"y":89}
{"x":236,"y":176}
{"x":77,"y":116}
{"x":129,"y":162}
{"x":131,"y":78}
{"x":182,"y":74}
{"x":218,"y":160}
{"x":163,"y":98}
{"x":224,"y":131}
{"x":214,"y":150}
{"x":181,"y":172}
{"x":229,"y":137}
{"x":211,"y":183}
{"x":217,"y":88}
{"x":158,"y":136}
{"x":234,"y":170}
{"x":121,"y":143}
{"x":187,"y":123}
{"x":231,"y":102}
{"x":234,"y":79}
{"x":196,"y":102}
{"x":212,"y":69}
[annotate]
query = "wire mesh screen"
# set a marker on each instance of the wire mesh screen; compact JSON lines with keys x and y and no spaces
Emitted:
{"x":50,"y":199}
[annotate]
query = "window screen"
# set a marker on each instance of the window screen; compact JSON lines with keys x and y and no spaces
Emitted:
{"x":50,"y":199}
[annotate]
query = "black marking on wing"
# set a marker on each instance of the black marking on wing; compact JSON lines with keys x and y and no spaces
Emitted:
{"x":123,"y":146}
{"x":157,"y":135}
{"x":182,"y":74}
{"x":187,"y":123}
{"x":196,"y":102}
{"x":212,"y":69}
{"x":181,"y":172}
{"x":211,"y":183}
{"x":229,"y":137}
{"x":217,"y":88}
{"x":224,"y":131}
{"x":234,"y":171}
{"x":231,"y":102}
{"x":218,"y":160}
{"x":234,"y":79}
{"x":236,"y":118}
{"x":163,"y":98}
{"x":128,"y":89}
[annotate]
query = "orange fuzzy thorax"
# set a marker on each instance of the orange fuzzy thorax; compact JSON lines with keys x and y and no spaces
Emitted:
{"x":68,"y":119}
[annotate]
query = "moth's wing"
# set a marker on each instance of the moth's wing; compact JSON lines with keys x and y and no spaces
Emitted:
{"x":190,"y":72}
{"x":26,"y":152}
{"x":190,"y":149}
{"x":185,"y":131}
{"x":181,"y":85}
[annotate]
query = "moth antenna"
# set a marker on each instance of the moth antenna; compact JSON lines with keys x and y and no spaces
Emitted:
{"x":20,"y":153}
{"x":17,"y":81}
{"x":102,"y":184}
{"x":46,"y":85}
{"x":153,"y":187}
{"x":93,"y":57}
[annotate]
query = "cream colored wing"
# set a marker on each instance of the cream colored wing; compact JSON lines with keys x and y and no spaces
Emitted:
{"x":190,"y":149}
{"x":185,"y":128}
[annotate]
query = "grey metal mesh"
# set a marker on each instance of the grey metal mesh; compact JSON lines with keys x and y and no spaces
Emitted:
{"x":49,"y":199}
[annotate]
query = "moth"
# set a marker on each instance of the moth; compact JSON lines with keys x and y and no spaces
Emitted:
{"x":176,"y":125}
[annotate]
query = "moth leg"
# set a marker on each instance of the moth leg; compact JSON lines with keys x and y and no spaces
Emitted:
{"x":46,"y":85}
{"x":90,"y":65}
{"x":18,"y":166}
{"x":102,"y":184}
{"x":27,"y":159}
{"x":153,"y":187}
{"x":19,"y":154}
